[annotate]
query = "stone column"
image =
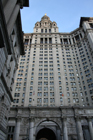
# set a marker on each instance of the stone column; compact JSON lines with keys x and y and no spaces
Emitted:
{"x":79,"y":37}
{"x":65,"y":134}
{"x":31,"y":128}
{"x":90,"y":127}
{"x":68,"y":41}
{"x":79,"y":128}
{"x":74,"y":39}
{"x":17,"y":129}
{"x":71,"y":41}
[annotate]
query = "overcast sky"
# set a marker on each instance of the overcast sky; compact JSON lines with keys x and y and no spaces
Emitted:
{"x":66,"y":13}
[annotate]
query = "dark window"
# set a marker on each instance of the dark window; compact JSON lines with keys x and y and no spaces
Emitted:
{"x":91,"y":25}
{"x":1,"y":40}
{"x":49,"y":30}
{"x":45,"y":30}
{"x":41,"y":30}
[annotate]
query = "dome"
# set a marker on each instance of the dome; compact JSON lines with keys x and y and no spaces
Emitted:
{"x":45,"y":17}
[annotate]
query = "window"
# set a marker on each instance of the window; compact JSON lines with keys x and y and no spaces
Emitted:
{"x":32,"y":78}
{"x":22,"y":100}
{"x":59,"y":82}
{"x":24,"y":88}
{"x":45,"y":88}
{"x":30,"y":94}
{"x":39,"y":94}
{"x":31,"y":88}
{"x":52,"y":100}
{"x":68,"y":100}
{"x":45,"y":93}
{"x":60,"y":87}
{"x":68,"y":94}
{"x":36,"y":29}
{"x":74,"y":100}
{"x":91,"y":25}
{"x":82,"y":99}
{"x":39,"y":88}
{"x":45,"y":100}
{"x":45,"y":74}
{"x":30,"y":99}
{"x":49,"y":30}
{"x":45,"y":30}
{"x":51,"y":83}
{"x":67,"y":88}
{"x":41,"y":30}
{"x":39,"y":100}
{"x":51,"y":88}
{"x":23,"y":95}
{"x":51,"y":93}
{"x":61,"y":99}
{"x":45,"y":83}
{"x":17,"y":101}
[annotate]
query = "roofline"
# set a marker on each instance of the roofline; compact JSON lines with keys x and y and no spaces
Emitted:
{"x":85,"y":19}
{"x":23,"y":3}
{"x":67,"y":33}
{"x":26,"y":3}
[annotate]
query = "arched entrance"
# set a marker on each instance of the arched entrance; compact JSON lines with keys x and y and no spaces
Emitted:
{"x":45,"y":134}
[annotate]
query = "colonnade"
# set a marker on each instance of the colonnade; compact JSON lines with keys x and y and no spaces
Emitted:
{"x":64,"y":128}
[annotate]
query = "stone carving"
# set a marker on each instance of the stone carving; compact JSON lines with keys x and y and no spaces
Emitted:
{"x":23,"y":129}
{"x":70,"y":121}
{"x":70,"y":112}
{"x":25,"y":121}
{"x":72,"y":130}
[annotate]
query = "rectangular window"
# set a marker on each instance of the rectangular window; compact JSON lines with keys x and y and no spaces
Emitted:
{"x":30,"y":99}
{"x":45,"y":93}
{"x":49,"y":30}
{"x":22,"y":100}
{"x":45,"y":30}
{"x":41,"y":30}
{"x":31,"y":88}
{"x":23,"y":94}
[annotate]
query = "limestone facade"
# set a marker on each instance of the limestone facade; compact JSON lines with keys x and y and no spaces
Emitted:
{"x":53,"y":88}
{"x":66,"y":123}
{"x":57,"y":68}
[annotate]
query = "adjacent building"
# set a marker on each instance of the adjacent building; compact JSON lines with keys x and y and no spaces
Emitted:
{"x":11,"y":46}
{"x":53,"y":88}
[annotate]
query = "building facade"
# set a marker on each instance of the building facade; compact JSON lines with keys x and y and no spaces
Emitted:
{"x":11,"y":46}
{"x":53,"y":88}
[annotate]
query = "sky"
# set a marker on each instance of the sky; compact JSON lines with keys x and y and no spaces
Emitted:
{"x":66,"y":13}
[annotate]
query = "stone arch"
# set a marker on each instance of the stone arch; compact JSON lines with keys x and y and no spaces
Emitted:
{"x":44,"y":128}
{"x":41,"y":121}
{"x":46,"y":135}
{"x":47,"y":119}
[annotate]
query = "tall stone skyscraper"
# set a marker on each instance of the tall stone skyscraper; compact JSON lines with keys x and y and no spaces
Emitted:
{"x":11,"y":47}
{"x":53,"y":88}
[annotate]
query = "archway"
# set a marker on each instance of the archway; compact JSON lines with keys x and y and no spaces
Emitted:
{"x":45,"y":134}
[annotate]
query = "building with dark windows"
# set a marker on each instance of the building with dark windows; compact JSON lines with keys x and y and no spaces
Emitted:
{"x":11,"y":46}
{"x":53,"y":88}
